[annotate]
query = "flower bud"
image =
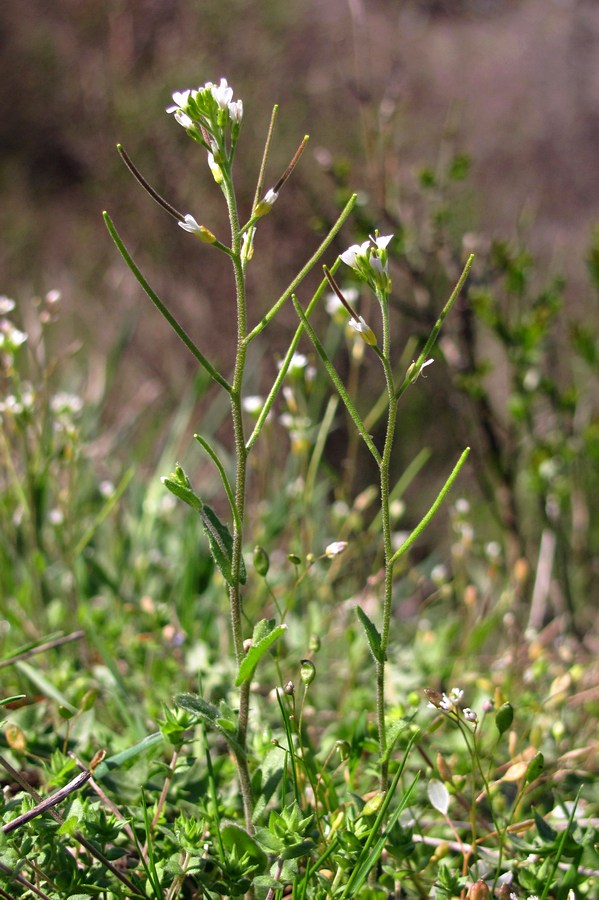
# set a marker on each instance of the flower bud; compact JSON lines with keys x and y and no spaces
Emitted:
{"x":217,"y":172}
{"x":366,"y":333}
{"x":307,"y":671}
{"x":261,"y":561}
{"x":314,"y":643}
{"x":479,"y":891}
{"x":504,"y":717}
{"x":343,"y":749}
{"x":372,"y":806}
{"x":266,"y":204}
{"x":335,"y":549}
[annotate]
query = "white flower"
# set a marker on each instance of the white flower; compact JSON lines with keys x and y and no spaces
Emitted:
{"x":189,"y":224}
{"x":364,"y":330}
{"x":56,"y":517}
{"x":370,"y":260}
{"x":297,"y":363}
{"x":106,"y":488}
{"x":353,"y":253}
{"x":183,"y":119}
{"x":412,"y":374}
{"x":223,"y":94}
{"x":470,"y":715}
{"x":382,"y":241}
{"x":455,"y":695}
{"x":335,"y":549}
{"x":65,"y":403}
{"x":181,"y":98}
{"x":6,"y":305}
{"x":217,"y":172}
{"x":10,"y":337}
{"x":236,"y":110}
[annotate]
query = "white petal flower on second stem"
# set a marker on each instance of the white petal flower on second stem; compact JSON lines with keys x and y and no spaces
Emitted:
{"x":181,"y":98}
{"x":189,"y":224}
{"x":364,"y":330}
{"x":223,"y":94}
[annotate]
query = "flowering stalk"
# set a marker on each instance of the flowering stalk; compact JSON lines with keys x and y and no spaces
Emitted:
{"x":213,"y":119}
{"x":370,"y":261}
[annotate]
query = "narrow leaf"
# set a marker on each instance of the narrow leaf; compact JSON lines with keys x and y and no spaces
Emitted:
{"x":372,"y":635}
{"x":257,"y":651}
{"x":179,"y":484}
{"x":226,"y":483}
{"x":435,"y":506}
{"x":162,"y":309}
{"x":125,"y":756}
{"x":221,"y":545}
{"x":340,"y":387}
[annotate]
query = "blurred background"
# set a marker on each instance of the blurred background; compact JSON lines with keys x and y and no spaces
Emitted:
{"x":460,"y":123}
{"x":381,"y":87}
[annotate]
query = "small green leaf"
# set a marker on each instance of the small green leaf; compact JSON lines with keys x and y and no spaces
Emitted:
{"x":219,"y":536}
{"x":179,"y":484}
{"x":221,"y":545}
{"x":294,"y":851}
{"x":236,"y":838}
{"x":545,"y":831}
{"x":69,"y":826}
{"x":212,"y":717}
{"x":372,"y":635}
{"x":265,"y":635}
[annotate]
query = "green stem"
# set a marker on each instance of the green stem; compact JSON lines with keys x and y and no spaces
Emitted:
{"x":283,"y":369}
{"x":384,"y":471}
{"x":304,"y":271}
{"x":235,"y":600}
{"x":414,"y":370}
{"x":319,"y":347}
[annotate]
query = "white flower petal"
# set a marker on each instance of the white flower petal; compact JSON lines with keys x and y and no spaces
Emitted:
{"x":189,"y":224}
{"x":438,"y":795}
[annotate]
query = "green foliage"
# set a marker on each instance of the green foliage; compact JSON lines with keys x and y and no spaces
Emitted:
{"x":304,"y":757}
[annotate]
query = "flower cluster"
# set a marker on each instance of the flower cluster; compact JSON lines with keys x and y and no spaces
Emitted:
{"x":371,"y":261}
{"x":205,"y":114}
{"x":451,"y":703}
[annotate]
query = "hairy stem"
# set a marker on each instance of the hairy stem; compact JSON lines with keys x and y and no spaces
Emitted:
{"x":384,"y":470}
{"x":235,"y":599}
